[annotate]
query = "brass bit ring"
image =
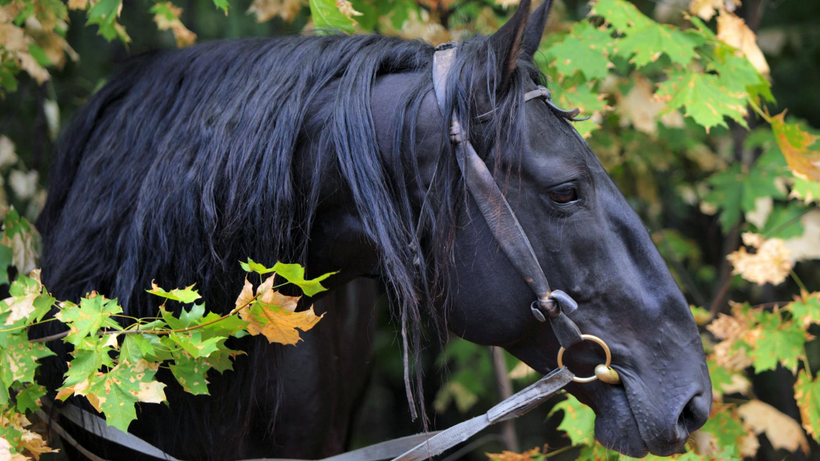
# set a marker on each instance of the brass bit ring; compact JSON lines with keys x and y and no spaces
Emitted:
{"x":603,"y":371}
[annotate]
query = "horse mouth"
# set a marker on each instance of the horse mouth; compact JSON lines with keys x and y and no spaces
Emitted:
{"x":616,"y":425}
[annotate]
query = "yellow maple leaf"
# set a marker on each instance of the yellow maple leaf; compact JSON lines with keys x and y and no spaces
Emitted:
{"x":273,"y":314}
{"x":781,"y":430}
{"x":152,"y":392}
{"x":733,"y":30}
{"x":797,"y":146}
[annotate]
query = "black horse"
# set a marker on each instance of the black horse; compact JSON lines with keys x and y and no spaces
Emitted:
{"x":331,"y":151}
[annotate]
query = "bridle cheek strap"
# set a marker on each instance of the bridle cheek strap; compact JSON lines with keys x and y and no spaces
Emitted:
{"x":552,"y":305}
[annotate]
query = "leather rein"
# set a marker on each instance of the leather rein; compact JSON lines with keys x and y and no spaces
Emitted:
{"x":550,"y":305}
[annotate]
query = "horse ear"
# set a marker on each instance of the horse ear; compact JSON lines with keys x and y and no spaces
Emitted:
{"x":506,"y":42}
{"x":535,"y":29}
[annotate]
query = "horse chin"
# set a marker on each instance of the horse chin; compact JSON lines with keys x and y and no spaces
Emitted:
{"x":616,"y":427}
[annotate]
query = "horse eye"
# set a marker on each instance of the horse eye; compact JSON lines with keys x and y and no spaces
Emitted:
{"x":563,"y":194}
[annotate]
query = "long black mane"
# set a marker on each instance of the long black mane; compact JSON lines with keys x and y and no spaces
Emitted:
{"x":185,"y":163}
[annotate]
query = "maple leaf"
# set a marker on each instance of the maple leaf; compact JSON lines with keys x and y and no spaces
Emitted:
{"x":798,"y":147}
{"x":771,"y":263}
{"x":807,"y":395}
{"x":190,"y":373}
{"x":116,"y":392}
{"x":578,"y":422}
{"x":781,"y":430}
{"x":166,"y":15}
{"x":28,"y":299}
{"x":806,"y":309}
{"x":529,"y":455}
{"x":330,"y":15}
{"x":624,"y":16}
{"x":734,"y":31}
{"x":93,"y":313}
{"x":274,"y":314}
{"x":648,"y":43}
{"x":585,"y":49}
{"x":705,"y":97}
{"x":805,"y":190}
{"x":724,"y":425}
{"x":777,"y":341}
{"x":265,"y":10}
{"x":185,"y":295}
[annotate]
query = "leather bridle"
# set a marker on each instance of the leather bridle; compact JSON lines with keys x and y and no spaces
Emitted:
{"x":552,"y":305}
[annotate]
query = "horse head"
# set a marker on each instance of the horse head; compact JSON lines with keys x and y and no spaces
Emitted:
{"x":584,"y":235}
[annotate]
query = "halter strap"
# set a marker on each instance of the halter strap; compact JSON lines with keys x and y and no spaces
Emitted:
{"x":499,"y":215}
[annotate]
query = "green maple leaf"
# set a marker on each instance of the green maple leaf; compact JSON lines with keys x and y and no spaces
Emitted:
{"x":623,"y":15}
{"x":190,"y":373}
{"x":597,"y":452}
{"x":116,"y":393}
{"x":222,"y":5}
{"x":19,"y":359}
{"x":737,"y":73}
{"x":725,"y":427}
{"x":779,"y":341}
{"x":189,"y":318}
{"x":5,"y":261}
{"x":87,"y":318}
{"x":327,"y":17}
{"x":585,"y":49}
{"x":578,"y":422}
{"x":807,"y":395}
{"x":193,"y":343}
{"x":648,"y":43}
{"x":295,"y":274}
{"x":705,"y":98}
{"x":185,"y":295}
{"x":136,"y":347}
{"x":104,"y":14}
{"x":805,"y":190}
{"x":784,"y":222}
{"x":27,"y":397}
{"x":582,"y":96}
{"x":807,"y":309}
{"x":230,"y":326}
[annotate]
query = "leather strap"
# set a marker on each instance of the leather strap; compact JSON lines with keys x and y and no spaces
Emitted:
{"x":497,"y":211}
{"x":416,"y":447}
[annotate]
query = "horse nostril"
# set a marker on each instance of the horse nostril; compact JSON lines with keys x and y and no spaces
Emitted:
{"x":694,"y":413}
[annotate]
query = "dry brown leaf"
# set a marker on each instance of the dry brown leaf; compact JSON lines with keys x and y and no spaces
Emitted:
{"x":521,"y":371}
{"x":266,"y":10}
{"x":771,"y":263}
{"x":781,"y":430}
{"x":77,"y":4}
{"x":807,"y":246}
{"x":182,"y":34}
{"x":513,"y":456}
{"x":346,"y":8}
{"x":640,"y":108}
{"x":734,"y":31}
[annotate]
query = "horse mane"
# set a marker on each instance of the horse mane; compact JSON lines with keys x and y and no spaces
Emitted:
{"x":183,"y":164}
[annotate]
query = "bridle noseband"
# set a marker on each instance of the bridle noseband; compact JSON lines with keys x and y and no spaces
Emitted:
{"x":552,"y":305}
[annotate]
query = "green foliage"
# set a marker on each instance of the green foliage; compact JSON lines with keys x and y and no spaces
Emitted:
{"x":328,"y":18}
{"x":578,"y":421}
{"x":293,"y":273}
